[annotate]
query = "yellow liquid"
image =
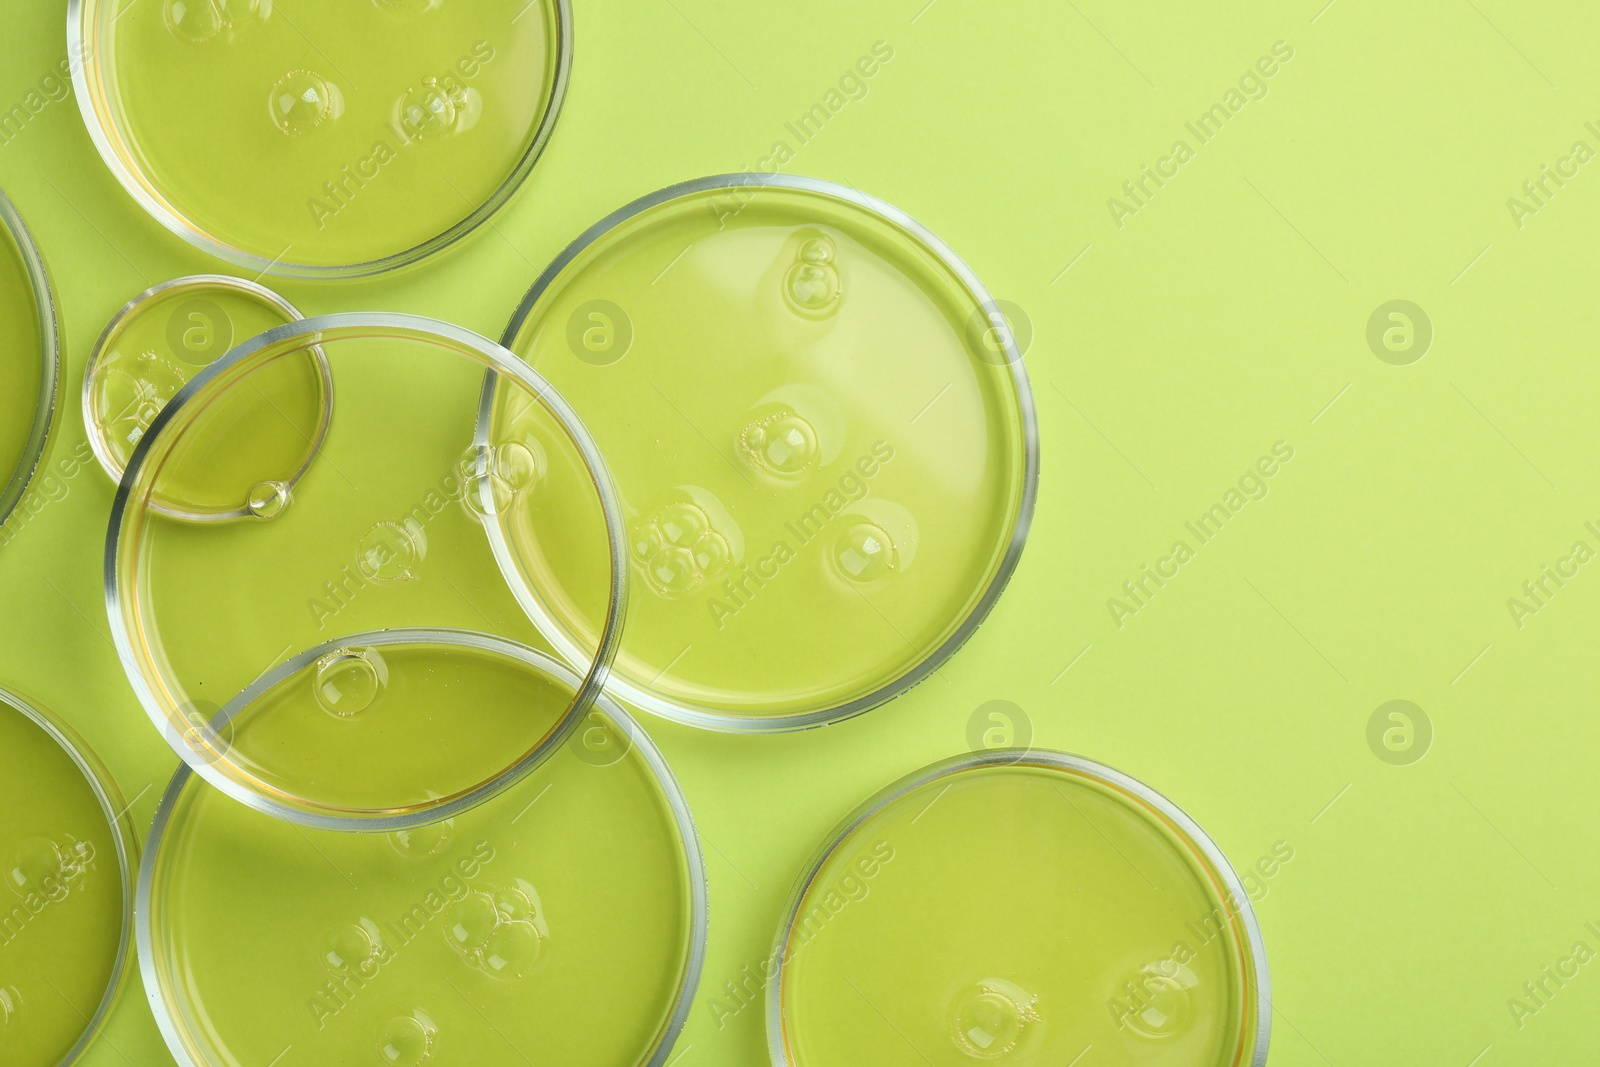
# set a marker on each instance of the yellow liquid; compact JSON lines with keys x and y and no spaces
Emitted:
{"x":21,"y":370}
{"x":550,"y":925}
{"x":1016,"y":915}
{"x":822,"y":475}
{"x":62,"y":906}
{"x":327,"y":134}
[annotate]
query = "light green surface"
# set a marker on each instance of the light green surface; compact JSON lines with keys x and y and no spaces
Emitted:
{"x":1223,"y":317}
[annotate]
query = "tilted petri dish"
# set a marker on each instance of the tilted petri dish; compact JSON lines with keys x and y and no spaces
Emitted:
{"x":162,"y":338}
{"x":315,"y":592}
{"x":67,"y":857}
{"x":1019,"y":907}
{"x":30,"y":358}
{"x":564,"y":921}
{"x":315,"y":139}
{"x":823,"y":436}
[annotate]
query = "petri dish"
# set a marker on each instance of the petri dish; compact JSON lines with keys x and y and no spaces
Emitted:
{"x":328,"y":139}
{"x":158,"y":341}
{"x":352,"y":602}
{"x":823,"y":441}
{"x":66,"y":907}
{"x":30,"y":358}
{"x":562,"y":921}
{"x":1018,"y":907}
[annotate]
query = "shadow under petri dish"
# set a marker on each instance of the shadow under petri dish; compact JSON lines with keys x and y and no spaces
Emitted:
{"x":1017,"y":908}
{"x":827,"y":473}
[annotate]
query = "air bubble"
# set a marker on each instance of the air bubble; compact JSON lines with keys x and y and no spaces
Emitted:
{"x":194,"y":20}
{"x":352,"y":949}
{"x":493,"y":476}
{"x":812,"y":286}
{"x":390,"y":552}
{"x":501,"y":933}
{"x":10,"y":1001}
{"x":37,"y":867}
{"x":475,"y":919}
{"x":989,"y":1020}
{"x":302,"y":100}
{"x":420,"y":842}
{"x":783,"y":443}
{"x":864,"y":552}
{"x":1162,"y":1002}
{"x":350,"y":680}
{"x":427,"y":109}
{"x":268,"y":500}
{"x":408,"y":1040}
{"x":678,"y":550}
{"x":513,"y":949}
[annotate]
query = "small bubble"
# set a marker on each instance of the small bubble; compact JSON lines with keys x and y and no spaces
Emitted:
{"x":674,"y":570}
{"x":10,"y":1001}
{"x":988,"y":1020}
{"x":517,"y":902}
{"x":352,"y":949}
{"x":864,"y":552}
{"x":647,"y":542}
{"x":812,"y":286}
{"x":1160,"y":999}
{"x":475,"y":919}
{"x":407,"y":1040}
{"x":302,"y":100}
{"x":711,"y":552}
{"x":683,"y":524}
{"x":195,"y":20}
{"x":783,"y":443}
{"x":513,"y":949}
{"x":390,"y":552}
{"x":350,"y":680}
{"x":37,"y":867}
{"x":515,"y":463}
{"x":493,"y":476}
{"x":268,"y":500}
{"x":427,"y":109}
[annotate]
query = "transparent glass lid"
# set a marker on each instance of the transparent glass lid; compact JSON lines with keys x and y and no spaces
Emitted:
{"x":564,"y":921}
{"x":30,"y":358}
{"x":1019,"y":907}
{"x":320,"y":138}
{"x":826,"y":454}
{"x":157,"y":342}
{"x":298,"y":540}
{"x":67,"y":899}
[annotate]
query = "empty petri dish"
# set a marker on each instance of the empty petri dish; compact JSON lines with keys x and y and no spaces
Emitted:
{"x":341,"y":601}
{"x":320,"y":139}
{"x":564,"y":921}
{"x":30,"y":358}
{"x":66,"y":858}
{"x":162,"y":338}
{"x":821,"y":431}
{"x":1019,"y":907}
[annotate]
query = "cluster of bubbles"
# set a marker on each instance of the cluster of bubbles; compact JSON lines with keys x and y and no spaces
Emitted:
{"x":678,"y":549}
{"x":199,"y":21}
{"x":349,"y":681}
{"x":812,"y":286}
{"x":990,"y":1019}
{"x":501,"y":932}
{"x":45,"y":868}
{"x":438,"y":106}
{"x":782,"y":443}
{"x":493,"y":476}
{"x":133,"y":392}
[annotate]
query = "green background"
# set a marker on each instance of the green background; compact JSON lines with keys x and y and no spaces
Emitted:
{"x":1229,"y":313}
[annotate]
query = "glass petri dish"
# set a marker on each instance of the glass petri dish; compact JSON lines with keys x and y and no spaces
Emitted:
{"x":825,"y":449}
{"x":328,"y":139}
{"x":1019,"y":907}
{"x":158,"y":341}
{"x":562,"y":922}
{"x":353,"y":603}
{"x":66,"y":860}
{"x":30,"y":358}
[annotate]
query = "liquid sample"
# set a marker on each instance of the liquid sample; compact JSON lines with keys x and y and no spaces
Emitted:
{"x":1016,"y":914}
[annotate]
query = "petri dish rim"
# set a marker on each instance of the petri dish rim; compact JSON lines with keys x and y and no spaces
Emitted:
{"x":113,"y":329}
{"x":105,"y":138}
{"x":1191,"y":832}
{"x":12,"y":491}
{"x":122,"y":835}
{"x":167,"y":1023}
{"x":346,"y":326}
{"x":947,"y":257}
